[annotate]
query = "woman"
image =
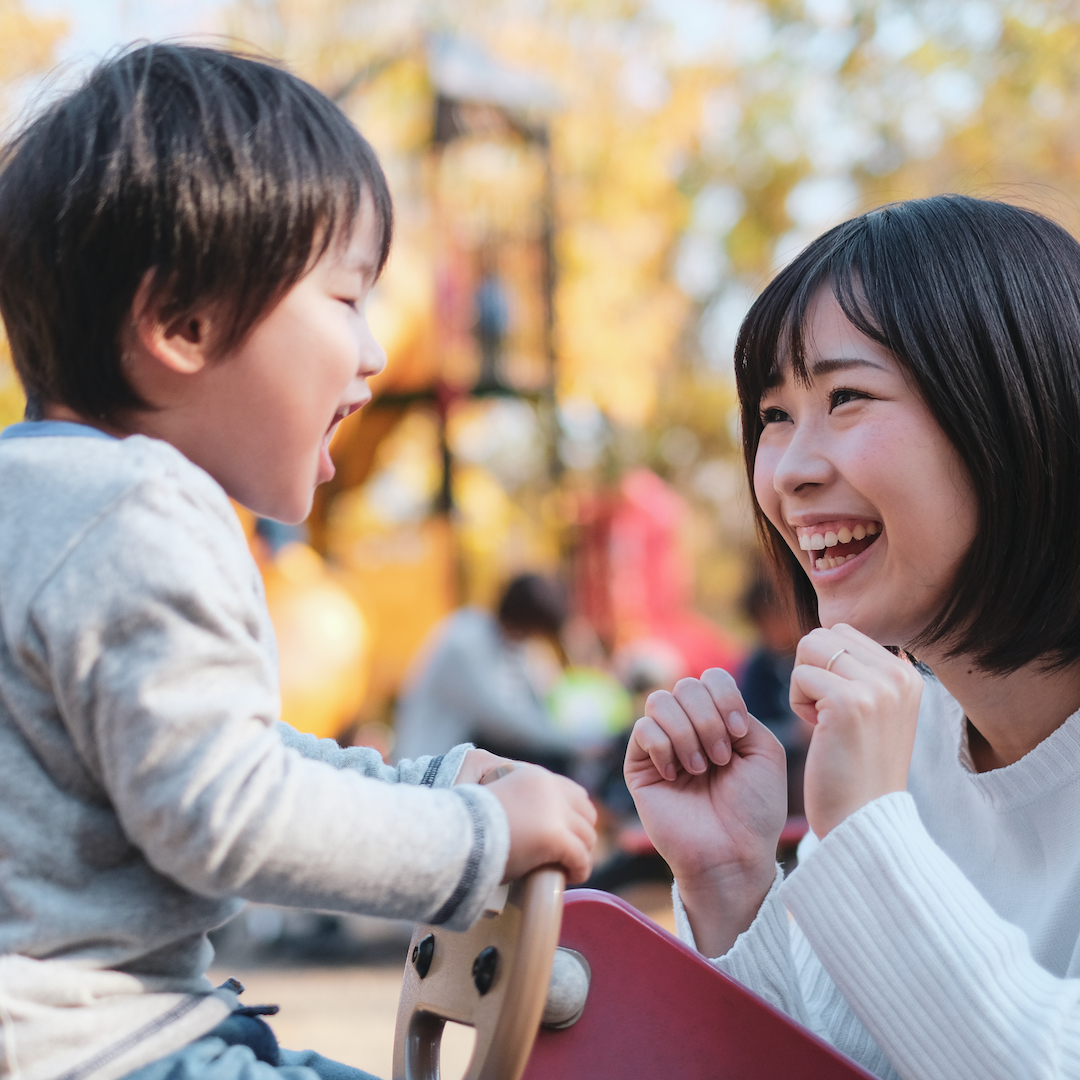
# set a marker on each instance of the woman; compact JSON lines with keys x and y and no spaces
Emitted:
{"x":910,"y":390}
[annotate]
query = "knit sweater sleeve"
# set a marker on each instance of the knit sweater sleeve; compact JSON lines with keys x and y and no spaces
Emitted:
{"x":761,"y":957}
{"x":149,"y":636}
{"x":946,"y":987}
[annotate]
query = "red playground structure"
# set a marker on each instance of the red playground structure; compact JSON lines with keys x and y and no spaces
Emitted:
{"x":626,"y":1001}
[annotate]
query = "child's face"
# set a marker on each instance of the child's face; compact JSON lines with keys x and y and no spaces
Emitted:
{"x":856,"y":459}
{"x":270,"y":407}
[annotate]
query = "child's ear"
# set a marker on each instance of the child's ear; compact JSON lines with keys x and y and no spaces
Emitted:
{"x":182,"y":345}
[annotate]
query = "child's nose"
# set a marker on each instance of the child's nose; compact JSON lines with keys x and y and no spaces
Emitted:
{"x":372,"y":356}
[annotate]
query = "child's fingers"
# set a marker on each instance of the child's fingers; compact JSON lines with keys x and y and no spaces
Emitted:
{"x":581,"y":811}
{"x":577,"y":839}
{"x":584,"y":831}
{"x":577,"y":863}
{"x":583,"y":805}
{"x":478,"y":765}
{"x":578,"y":842}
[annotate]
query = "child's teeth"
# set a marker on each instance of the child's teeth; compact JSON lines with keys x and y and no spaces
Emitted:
{"x":844,"y":536}
{"x":872,"y":529}
{"x":817,"y":542}
{"x":858,"y":533}
{"x":831,"y":539}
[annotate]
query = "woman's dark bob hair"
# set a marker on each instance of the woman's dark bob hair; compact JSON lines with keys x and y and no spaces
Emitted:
{"x":979,"y":302}
{"x":223,"y":174}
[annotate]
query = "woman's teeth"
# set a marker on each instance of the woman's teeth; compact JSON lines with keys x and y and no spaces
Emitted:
{"x":841,"y":537}
{"x":819,"y":541}
{"x":828,"y":563}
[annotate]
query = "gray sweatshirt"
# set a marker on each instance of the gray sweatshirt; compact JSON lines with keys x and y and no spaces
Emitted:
{"x":146,"y":784}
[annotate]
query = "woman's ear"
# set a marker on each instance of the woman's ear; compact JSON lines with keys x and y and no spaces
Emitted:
{"x":181,"y":347}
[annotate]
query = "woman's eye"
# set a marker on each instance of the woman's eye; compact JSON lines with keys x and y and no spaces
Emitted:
{"x":350,"y":301}
{"x":842,"y":397}
{"x":772,"y":415}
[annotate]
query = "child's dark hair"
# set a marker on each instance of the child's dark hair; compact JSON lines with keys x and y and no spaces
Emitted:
{"x":224,"y":174}
{"x":980,"y":304}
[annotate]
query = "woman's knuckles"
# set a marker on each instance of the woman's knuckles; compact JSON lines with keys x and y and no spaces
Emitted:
{"x":658,"y":700}
{"x":721,"y":685}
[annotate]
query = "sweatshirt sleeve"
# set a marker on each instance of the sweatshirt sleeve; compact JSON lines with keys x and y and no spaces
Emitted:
{"x":434,"y":771}
{"x":151,"y":635}
{"x":946,"y":987}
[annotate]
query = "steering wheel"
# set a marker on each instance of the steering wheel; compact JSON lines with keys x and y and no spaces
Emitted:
{"x":493,"y":977}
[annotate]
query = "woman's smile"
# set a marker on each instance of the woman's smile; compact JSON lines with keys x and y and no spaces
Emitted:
{"x":833,"y":542}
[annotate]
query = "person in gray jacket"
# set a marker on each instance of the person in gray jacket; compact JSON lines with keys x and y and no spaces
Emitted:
{"x":186,"y":245}
{"x":471,"y":681}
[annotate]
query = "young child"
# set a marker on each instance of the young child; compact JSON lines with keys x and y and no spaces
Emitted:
{"x":910,"y":390}
{"x":186,"y":246}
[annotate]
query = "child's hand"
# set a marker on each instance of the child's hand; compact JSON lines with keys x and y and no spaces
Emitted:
{"x":477,"y":764}
{"x":710,"y":784}
{"x":551,"y":821}
{"x":865,"y":708}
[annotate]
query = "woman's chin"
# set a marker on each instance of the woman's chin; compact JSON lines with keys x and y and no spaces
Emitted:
{"x":862,"y":621}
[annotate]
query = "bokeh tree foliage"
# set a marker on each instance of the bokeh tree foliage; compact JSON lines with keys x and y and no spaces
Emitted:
{"x":27,"y":45}
{"x":696,"y":149}
{"x":617,"y":162}
{"x":835,"y":106}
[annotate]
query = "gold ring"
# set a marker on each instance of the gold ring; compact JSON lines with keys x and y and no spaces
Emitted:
{"x":832,"y":659}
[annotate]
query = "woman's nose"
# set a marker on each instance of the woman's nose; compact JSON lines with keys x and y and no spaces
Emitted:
{"x":802,"y":462}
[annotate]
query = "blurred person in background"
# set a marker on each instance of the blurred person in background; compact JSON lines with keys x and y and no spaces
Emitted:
{"x":765,"y":679}
{"x":471,"y":681}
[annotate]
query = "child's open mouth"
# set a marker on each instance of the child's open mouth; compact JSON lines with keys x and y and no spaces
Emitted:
{"x":326,"y":465}
{"x":837,"y":541}
{"x":343,"y":412}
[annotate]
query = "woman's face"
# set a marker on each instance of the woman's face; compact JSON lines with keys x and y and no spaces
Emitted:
{"x":862,"y":483}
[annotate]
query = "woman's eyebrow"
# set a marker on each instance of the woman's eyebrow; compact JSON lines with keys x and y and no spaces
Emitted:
{"x":845,"y":363}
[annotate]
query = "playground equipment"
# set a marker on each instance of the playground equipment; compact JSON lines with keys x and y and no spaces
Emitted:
{"x":627,"y":1000}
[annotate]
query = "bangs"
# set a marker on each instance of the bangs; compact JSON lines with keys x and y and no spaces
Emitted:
{"x":772,"y":334}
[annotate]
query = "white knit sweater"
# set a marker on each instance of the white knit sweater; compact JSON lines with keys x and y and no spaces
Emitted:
{"x":936,"y":933}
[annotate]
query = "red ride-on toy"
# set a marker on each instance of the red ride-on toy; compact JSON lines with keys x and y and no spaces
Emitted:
{"x":626,"y":1000}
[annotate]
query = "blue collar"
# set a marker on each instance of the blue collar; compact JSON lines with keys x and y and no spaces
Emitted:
{"x":40,"y":429}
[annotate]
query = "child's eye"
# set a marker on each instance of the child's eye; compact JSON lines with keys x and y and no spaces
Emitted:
{"x":772,"y":415}
{"x":350,"y":301}
{"x":843,"y":396}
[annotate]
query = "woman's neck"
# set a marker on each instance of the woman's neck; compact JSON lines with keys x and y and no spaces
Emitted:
{"x":1009,"y":715}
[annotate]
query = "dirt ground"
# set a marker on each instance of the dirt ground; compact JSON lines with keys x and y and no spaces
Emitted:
{"x":348,"y":1012}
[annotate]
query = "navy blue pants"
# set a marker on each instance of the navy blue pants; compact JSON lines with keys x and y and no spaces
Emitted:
{"x":243,"y":1047}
